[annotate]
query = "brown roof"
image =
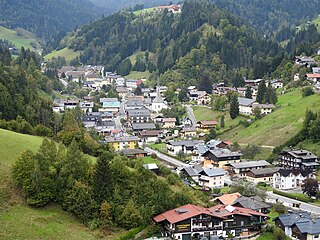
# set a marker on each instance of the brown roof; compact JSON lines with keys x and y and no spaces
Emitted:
{"x":208,"y":122}
{"x":227,"y":199}
{"x":225,"y":211}
{"x":183,"y":213}
{"x":168,"y":120}
{"x":150,"y":133}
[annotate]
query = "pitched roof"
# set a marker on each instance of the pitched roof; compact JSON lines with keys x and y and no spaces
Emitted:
{"x":264,"y":171}
{"x":228,"y":210}
{"x":251,"y":202}
{"x":188,"y":143}
{"x":250,"y":164}
{"x":208,"y":122}
{"x":286,"y":172}
{"x":308,"y":226}
{"x":182,"y":213}
{"x":130,"y":152}
{"x":245,"y":101}
{"x":303,"y":154}
{"x":215,"y":172}
{"x":227,"y":198}
{"x":290,"y":219}
{"x":223,"y":153}
{"x":143,"y":126}
{"x":168,"y":120}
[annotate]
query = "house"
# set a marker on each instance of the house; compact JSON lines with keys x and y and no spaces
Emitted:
{"x":91,"y":121}
{"x":227,"y":198}
{"x":188,"y":132}
{"x":168,"y":123}
{"x":204,"y":99}
{"x":194,"y":95}
{"x":110,"y":105}
{"x":298,"y":159}
{"x":172,"y":8}
{"x":306,"y":229}
{"x":207,"y":125}
{"x":211,"y":178}
{"x":304,"y":60}
{"x":133,"y":153}
{"x":122,"y":91}
{"x":286,"y":179}
{"x":264,"y":108}
{"x":287,"y":221}
{"x":143,"y":126}
{"x":185,"y":146}
{"x":138,"y":116}
{"x":245,"y":105}
{"x":220,"y":158}
{"x":255,"y":203}
{"x":276,"y":83}
{"x":132,"y":104}
{"x":150,"y":136}
{"x":254,"y":82}
{"x":315,"y":77}
{"x":316,"y":70}
{"x":152,"y":167}
{"x":193,"y":222}
{"x":191,"y":172}
{"x":120,"y":143}
{"x":262,"y":175}
{"x":239,"y":169}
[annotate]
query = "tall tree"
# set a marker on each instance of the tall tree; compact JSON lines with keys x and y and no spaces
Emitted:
{"x":248,"y":93}
{"x":234,"y":106}
{"x":261,"y":91}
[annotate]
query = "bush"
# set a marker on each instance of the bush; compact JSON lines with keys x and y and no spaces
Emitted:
{"x":307,"y":91}
{"x":279,"y":208}
{"x":289,"y":195}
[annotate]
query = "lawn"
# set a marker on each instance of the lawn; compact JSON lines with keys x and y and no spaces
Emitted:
{"x":271,"y":216}
{"x":147,"y":160}
{"x":138,"y":75}
{"x":279,"y":126}
{"x":68,"y":54}
{"x":51,"y":222}
{"x":162,"y":147}
{"x":266,"y":236}
{"x":19,"y":37}
{"x":146,"y":10}
{"x":206,"y":113}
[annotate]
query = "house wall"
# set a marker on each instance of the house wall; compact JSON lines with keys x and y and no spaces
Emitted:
{"x":256,"y":180}
{"x":245,"y":110}
{"x":169,"y":125}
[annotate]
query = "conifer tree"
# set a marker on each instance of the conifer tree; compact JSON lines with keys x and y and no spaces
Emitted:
{"x":234,"y":106}
{"x":248,"y":93}
{"x":261,"y":91}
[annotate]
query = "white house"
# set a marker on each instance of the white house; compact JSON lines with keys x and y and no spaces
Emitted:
{"x":245,"y":105}
{"x":187,"y":146}
{"x":158,"y":103}
{"x":211,"y":178}
{"x":286,"y":179}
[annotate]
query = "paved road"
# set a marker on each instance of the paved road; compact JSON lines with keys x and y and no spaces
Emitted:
{"x":65,"y":83}
{"x":121,"y":115}
{"x":166,"y":158}
{"x":191,"y":115}
{"x":289,"y":203}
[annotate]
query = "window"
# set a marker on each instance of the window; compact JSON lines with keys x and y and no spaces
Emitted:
{"x":242,"y":223}
{"x":316,"y":236}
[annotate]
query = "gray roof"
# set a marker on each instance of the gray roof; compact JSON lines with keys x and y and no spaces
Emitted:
{"x":250,"y":164}
{"x":158,"y":99}
{"x":188,"y":143}
{"x":245,"y":101}
{"x":265,"y":171}
{"x":129,"y":152}
{"x":191,"y":171}
{"x":121,"y":139}
{"x":151,"y":166}
{"x":138,"y":113}
{"x":215,"y":172}
{"x":303,"y":154}
{"x":290,"y":219}
{"x":251,"y":203}
{"x":309,"y":226}
{"x":143,"y":126}
{"x":224,"y":153}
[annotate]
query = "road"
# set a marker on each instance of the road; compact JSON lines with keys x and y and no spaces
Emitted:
{"x":121,"y":115}
{"x":65,"y":83}
{"x":288,"y":202}
{"x":191,"y":115}
{"x":170,"y":160}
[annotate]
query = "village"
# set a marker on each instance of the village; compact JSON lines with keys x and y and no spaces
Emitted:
{"x":136,"y":121}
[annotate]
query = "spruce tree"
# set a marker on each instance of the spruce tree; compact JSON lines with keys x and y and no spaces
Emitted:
{"x":261,"y":91}
{"x":222,"y":124}
{"x":248,"y":93}
{"x":102,"y":179}
{"x":234,"y":106}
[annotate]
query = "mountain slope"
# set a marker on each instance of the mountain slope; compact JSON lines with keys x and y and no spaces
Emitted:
{"x":46,"y":18}
{"x":202,"y":32}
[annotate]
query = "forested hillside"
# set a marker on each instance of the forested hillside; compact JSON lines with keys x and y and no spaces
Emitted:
{"x":272,"y":15}
{"x":46,"y":18}
{"x":203,"y":39}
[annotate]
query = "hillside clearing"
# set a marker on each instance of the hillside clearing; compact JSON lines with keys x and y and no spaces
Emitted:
{"x":278,"y":127}
{"x":20,"y":38}
{"x":67,"y":53}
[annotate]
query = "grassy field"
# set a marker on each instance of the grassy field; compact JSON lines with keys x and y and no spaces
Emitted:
{"x":266,"y":236}
{"x":67,"y":53}
{"x":138,"y":75}
{"x":147,"y":160}
{"x":146,"y":10}
{"x":20,"y":38}
{"x":19,"y":221}
{"x":205,"y":113}
{"x":279,"y":126}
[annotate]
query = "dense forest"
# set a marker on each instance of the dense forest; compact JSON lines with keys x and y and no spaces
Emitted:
{"x":46,"y":18}
{"x":203,"y":39}
{"x":269,"y":16}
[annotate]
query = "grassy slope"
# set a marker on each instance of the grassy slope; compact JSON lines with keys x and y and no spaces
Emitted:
{"x":146,"y":10}
{"x":278,"y":127}
{"x":19,"y":37}
{"x":20,"y":221}
{"x":205,"y":113}
{"x":68,"y":54}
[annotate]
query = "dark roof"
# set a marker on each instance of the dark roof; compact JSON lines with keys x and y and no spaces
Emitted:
{"x":188,"y":143}
{"x":264,"y":171}
{"x":290,"y":219}
{"x":138,"y":113}
{"x":303,"y":154}
{"x":223,"y":153}
{"x":251,"y":202}
{"x":308,"y":226}
{"x":250,"y":164}
{"x":245,"y":101}
{"x":143,"y":126}
{"x":150,"y":133}
{"x":215,"y":172}
{"x":130,"y":152}
{"x":286,"y":172}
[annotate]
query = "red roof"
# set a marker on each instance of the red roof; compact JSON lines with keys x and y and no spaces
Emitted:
{"x":227,"y":199}
{"x":311,"y":75}
{"x":225,"y":211}
{"x":208,"y":122}
{"x":182,"y":213}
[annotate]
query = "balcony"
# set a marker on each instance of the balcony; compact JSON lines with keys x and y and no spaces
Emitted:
{"x":200,"y":229}
{"x":202,"y":220}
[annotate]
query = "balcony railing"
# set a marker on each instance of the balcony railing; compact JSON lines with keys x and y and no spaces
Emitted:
{"x":199,"y":229}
